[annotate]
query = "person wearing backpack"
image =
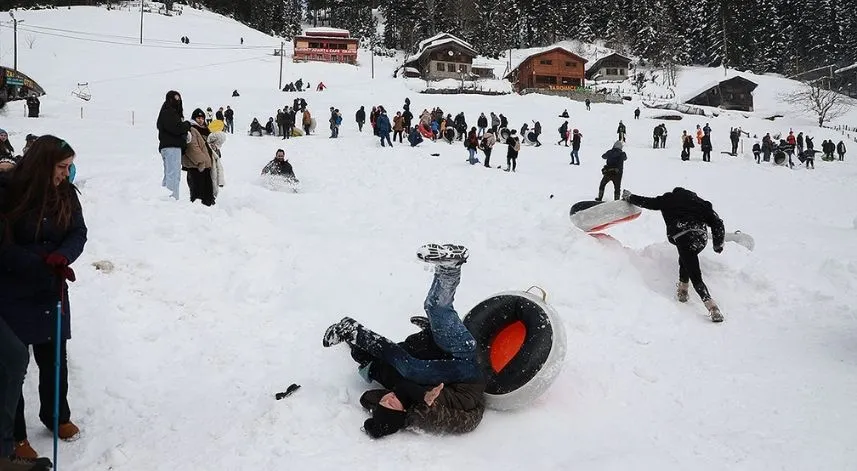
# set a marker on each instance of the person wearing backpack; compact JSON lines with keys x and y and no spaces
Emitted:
{"x":488,"y":141}
{"x":512,"y":153}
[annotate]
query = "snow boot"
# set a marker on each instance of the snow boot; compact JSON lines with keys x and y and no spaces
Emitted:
{"x":339,"y":332}
{"x":447,"y":255}
{"x":713,"y":311}
{"x":68,"y":432}
{"x":25,"y":464}
{"x":24,"y":450}
{"x":681,"y":292}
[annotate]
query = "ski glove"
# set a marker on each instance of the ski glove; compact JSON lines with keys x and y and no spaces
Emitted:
{"x":626,"y":195}
{"x":66,"y":273}
{"x":718,"y":248}
{"x":56,"y":260}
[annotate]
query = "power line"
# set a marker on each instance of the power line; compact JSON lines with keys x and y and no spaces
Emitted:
{"x":104,"y":41}
{"x":180,"y":69}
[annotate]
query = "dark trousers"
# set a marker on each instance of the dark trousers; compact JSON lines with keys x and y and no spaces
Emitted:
{"x":44,"y":355}
{"x":487,"y":152}
{"x":397,"y":134}
{"x":360,"y":126}
{"x":706,"y":156}
{"x":758,"y":156}
{"x":200,"y":185}
{"x":657,"y":142}
{"x":230,"y":126}
{"x":735,"y":147}
{"x":14,"y":358}
{"x":689,"y":246}
{"x":616,"y":178}
{"x":511,"y":162}
{"x":842,"y":156}
{"x":385,"y":136}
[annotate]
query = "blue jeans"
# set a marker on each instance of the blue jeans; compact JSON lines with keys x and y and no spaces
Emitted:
{"x":172,"y":157}
{"x":14,"y":358}
{"x":472,"y":158}
{"x":385,"y":136}
{"x":448,"y":332}
{"x":575,"y":158}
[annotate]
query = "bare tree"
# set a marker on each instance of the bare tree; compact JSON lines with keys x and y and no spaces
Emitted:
{"x":828,"y":104}
{"x":31,"y":39}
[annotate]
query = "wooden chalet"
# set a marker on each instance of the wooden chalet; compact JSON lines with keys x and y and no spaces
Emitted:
{"x":555,"y":68}
{"x":440,"y":57}
{"x":735,"y":93}
{"x":611,"y":67}
{"x":326,"y":45}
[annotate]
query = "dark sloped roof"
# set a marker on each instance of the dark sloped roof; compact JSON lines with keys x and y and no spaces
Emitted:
{"x":597,"y":64}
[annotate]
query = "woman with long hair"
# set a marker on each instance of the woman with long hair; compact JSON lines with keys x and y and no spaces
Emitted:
{"x":45,"y":233}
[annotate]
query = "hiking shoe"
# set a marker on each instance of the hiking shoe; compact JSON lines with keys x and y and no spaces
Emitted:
{"x":714,"y":311}
{"x":14,"y":463}
{"x":24,"y":450}
{"x":339,"y":332}
{"x":68,"y":432}
{"x":447,"y":255}
{"x":681,"y":292}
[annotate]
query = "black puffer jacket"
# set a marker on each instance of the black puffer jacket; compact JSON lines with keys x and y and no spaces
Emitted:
{"x":684,"y":211}
{"x":172,"y":131}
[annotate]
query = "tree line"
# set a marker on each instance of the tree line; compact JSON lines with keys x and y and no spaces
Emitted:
{"x":782,"y":36}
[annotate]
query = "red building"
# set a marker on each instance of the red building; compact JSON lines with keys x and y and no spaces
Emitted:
{"x":553,"y":68}
{"x":326,"y":45}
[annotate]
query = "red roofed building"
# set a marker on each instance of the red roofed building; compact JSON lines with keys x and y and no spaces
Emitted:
{"x":326,"y":45}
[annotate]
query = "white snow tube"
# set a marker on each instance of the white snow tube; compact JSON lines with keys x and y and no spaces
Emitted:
{"x":522,"y":346}
{"x":450,"y":135}
{"x":594,"y":216}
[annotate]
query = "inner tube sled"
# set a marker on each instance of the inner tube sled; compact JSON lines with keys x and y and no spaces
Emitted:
{"x":521,"y":346}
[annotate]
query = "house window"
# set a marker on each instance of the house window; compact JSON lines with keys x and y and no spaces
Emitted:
{"x":441,"y":67}
{"x":462,"y":68}
{"x":623,"y":72}
{"x":546,"y":62}
{"x":570,"y":81}
{"x":450,"y":67}
{"x":612,"y":71}
{"x":571,"y":64}
{"x":545,"y":80}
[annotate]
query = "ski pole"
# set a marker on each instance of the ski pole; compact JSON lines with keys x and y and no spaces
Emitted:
{"x":57,"y":346}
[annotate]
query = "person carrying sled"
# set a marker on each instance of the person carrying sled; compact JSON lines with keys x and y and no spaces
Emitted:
{"x":612,"y":170}
{"x":687,"y":217}
{"x":280,"y":167}
{"x":433,"y":381}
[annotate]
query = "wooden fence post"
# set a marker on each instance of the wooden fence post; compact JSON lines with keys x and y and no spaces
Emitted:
{"x":81,"y":112}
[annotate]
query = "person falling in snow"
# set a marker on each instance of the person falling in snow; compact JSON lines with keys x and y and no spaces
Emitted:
{"x":433,"y":380}
{"x":687,"y":217}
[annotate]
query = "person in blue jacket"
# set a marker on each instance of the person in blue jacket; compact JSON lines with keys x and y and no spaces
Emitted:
{"x":45,"y":234}
{"x":612,"y":170}
{"x":383,"y":127}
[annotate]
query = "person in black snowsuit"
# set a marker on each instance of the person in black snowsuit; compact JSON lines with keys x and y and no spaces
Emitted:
{"x":612,"y":170}
{"x":621,"y":131}
{"x":840,"y":149}
{"x":33,"y":105}
{"x":280,"y":167}
{"x":281,"y":122}
{"x":460,"y":126}
{"x":504,"y":123}
{"x":767,"y":147}
{"x":637,"y":113}
{"x":537,"y":130}
{"x":407,"y":117}
{"x":734,"y":136}
{"x":514,"y":146}
{"x":235,"y":93}
{"x":563,"y":134}
{"x":230,"y":119}
{"x":757,"y":152}
{"x":687,"y":217}
{"x":360,"y":117}
{"x":270,"y":128}
{"x":564,"y":114}
{"x":255,"y":128}
{"x":299,"y":85}
{"x":588,"y":104}
{"x":706,"y":148}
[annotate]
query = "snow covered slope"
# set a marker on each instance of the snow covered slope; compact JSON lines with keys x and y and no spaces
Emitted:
{"x":176,"y":355}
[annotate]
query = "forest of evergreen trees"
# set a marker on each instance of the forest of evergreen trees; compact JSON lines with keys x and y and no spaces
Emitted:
{"x":785,"y":36}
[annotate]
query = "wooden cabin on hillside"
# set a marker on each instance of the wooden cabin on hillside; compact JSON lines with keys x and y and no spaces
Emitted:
{"x":554,"y":68}
{"x":441,"y":57}
{"x":610,"y":67}
{"x":735,"y":93}
{"x":326,"y":45}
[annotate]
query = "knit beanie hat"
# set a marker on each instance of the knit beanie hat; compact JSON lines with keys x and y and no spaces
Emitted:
{"x":3,"y":131}
{"x":197,"y":113}
{"x":384,"y":422}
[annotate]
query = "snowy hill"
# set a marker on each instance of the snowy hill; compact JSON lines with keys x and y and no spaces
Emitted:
{"x":176,"y":355}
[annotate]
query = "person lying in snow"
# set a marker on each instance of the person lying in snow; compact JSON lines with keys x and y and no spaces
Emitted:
{"x":280,"y":167}
{"x":433,"y":380}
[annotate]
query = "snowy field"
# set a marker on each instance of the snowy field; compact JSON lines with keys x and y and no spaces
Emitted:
{"x":176,"y":355}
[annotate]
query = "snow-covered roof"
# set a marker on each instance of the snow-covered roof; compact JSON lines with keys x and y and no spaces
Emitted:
{"x":846,"y":69}
{"x":326,"y":30}
{"x":699,"y":91}
{"x":439,"y":40}
{"x":412,"y":70}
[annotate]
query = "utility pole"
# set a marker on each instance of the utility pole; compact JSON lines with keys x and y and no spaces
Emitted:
{"x":15,"y":40}
{"x":282,"y":45}
{"x":372,"y":44}
{"x":141,"y":21}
